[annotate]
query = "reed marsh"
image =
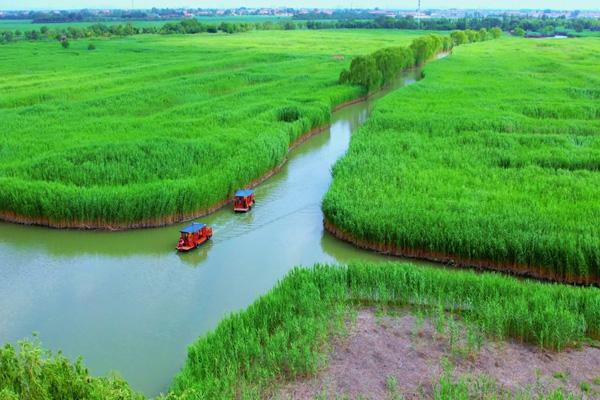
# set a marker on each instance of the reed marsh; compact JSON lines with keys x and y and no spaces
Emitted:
{"x":150,"y":129}
{"x":491,"y":161}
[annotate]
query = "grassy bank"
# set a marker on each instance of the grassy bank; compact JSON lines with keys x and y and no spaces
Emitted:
{"x":285,"y":334}
{"x":149,"y":129}
{"x":491,"y":161}
{"x":282,"y":335}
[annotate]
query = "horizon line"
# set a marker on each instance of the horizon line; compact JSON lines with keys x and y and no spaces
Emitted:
{"x":299,"y":8}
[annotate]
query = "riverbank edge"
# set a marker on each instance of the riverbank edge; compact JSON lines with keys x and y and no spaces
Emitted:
{"x":453,"y":260}
{"x":12,"y":217}
{"x":9,"y":216}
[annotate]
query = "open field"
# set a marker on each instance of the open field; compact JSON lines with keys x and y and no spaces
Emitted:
{"x":492,"y":161}
{"x":152,"y":129}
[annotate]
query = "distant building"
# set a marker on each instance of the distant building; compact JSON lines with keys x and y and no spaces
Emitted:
{"x":383,"y":13}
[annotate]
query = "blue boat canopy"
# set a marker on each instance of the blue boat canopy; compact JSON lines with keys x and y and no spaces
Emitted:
{"x":193,"y":227}
{"x":244,"y":193}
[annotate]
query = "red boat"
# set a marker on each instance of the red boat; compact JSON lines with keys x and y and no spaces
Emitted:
{"x":193,"y":236}
{"x":244,"y":200}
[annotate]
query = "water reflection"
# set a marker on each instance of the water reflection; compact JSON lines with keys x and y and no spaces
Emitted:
{"x":198,"y":256}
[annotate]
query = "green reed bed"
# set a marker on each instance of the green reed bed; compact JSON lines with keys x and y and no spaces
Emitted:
{"x":492,"y":160}
{"x":284,"y":334}
{"x":150,"y":128}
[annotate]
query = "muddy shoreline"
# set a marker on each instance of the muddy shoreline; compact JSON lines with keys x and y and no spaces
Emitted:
{"x":411,"y":349}
{"x":451,"y":260}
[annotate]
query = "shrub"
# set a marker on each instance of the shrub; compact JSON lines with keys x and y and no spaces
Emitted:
{"x":483,"y":34}
{"x":424,"y":48}
{"x":496,"y":32}
{"x":459,"y":37}
{"x":384,"y":65}
{"x":32,"y":372}
{"x":364,"y":72}
{"x":473,"y":36}
{"x":392,"y":60}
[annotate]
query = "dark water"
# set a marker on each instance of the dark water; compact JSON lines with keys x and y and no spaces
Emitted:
{"x":127,"y":301}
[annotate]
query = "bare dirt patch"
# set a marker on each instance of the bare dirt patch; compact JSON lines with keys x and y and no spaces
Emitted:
{"x":410,"y":351}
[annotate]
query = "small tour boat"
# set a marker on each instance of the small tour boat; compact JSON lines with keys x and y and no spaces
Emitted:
{"x":244,"y":200}
{"x":193,"y":236}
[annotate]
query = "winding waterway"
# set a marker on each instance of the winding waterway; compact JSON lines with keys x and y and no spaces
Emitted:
{"x":127,"y":301}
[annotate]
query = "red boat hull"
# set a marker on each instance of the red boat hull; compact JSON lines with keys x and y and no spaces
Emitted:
{"x":196,"y":245}
{"x":190,"y":241}
{"x":242,"y":208}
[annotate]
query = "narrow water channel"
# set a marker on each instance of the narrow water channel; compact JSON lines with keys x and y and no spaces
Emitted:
{"x":127,"y":301}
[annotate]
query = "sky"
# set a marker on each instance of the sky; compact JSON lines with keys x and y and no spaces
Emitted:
{"x":403,"y":4}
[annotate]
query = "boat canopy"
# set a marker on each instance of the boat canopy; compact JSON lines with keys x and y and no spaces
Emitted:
{"x":244,"y":193}
{"x":193,"y":227}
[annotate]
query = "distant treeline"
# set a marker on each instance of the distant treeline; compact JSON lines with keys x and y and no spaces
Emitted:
{"x":375,"y":70}
{"x":506,"y":23}
{"x":115,"y":15}
{"x":520,"y":26}
{"x":82,"y":16}
{"x":366,"y":19}
{"x":186,"y":26}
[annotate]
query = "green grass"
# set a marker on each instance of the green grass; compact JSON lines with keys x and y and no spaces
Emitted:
{"x":148,"y":127}
{"x":465,"y":387}
{"x":560,"y":375}
{"x":31,"y":372}
{"x":284,"y":334}
{"x":495,"y":156}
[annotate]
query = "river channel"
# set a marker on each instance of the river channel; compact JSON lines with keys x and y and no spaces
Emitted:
{"x":127,"y":301}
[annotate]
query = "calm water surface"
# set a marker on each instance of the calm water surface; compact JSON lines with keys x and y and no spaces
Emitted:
{"x":127,"y":301}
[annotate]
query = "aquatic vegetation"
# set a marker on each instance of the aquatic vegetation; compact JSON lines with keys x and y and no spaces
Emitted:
{"x":492,"y":160}
{"x":285,"y":334}
{"x":150,"y":129}
{"x":282,"y":335}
